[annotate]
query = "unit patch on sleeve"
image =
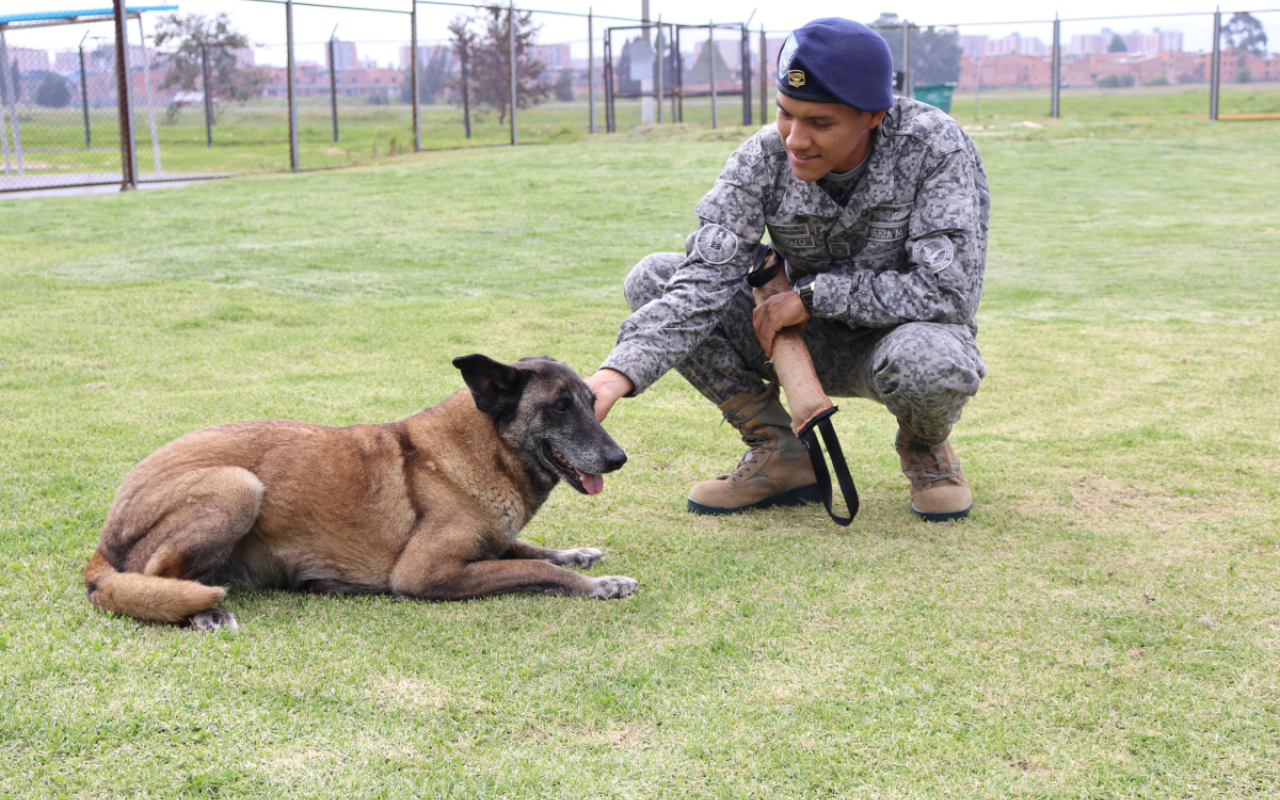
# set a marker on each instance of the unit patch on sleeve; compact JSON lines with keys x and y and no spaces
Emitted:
{"x":934,"y":253}
{"x":716,"y":244}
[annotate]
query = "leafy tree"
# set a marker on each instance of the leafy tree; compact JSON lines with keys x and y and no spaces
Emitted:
{"x":1245,"y":34}
{"x":564,"y":85}
{"x":14,"y":85}
{"x":935,"y":52}
{"x":53,"y":91}
{"x":194,"y":37}
{"x":700,"y":69}
{"x":432,"y":77}
{"x":1117,"y":44}
{"x":489,"y":61}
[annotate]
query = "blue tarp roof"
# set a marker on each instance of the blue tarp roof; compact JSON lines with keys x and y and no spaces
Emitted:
{"x":43,"y":16}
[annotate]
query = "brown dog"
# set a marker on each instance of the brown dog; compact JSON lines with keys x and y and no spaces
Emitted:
{"x":426,"y":508}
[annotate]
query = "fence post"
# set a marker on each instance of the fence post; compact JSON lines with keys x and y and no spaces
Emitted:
{"x":466,"y":103}
{"x":84,"y":96}
{"x":607,"y":76}
{"x":146,"y":82}
{"x":711,"y":60}
{"x":1215,"y":78}
{"x":333,"y":81}
{"x":4,"y":97}
{"x":908,"y":89}
{"x":745,"y":59}
{"x":290,"y":88}
{"x":591,"y":68}
{"x":129,"y":170}
{"x":764,"y":80}
{"x":208,"y":100}
{"x":511,"y":38}
{"x":413,"y":79}
{"x":657,"y":60}
{"x":1057,"y":66}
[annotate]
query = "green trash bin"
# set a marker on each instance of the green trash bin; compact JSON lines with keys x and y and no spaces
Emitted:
{"x":935,"y":94}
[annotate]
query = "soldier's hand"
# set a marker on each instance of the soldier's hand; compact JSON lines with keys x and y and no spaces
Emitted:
{"x":778,"y":312}
{"x":609,"y":386}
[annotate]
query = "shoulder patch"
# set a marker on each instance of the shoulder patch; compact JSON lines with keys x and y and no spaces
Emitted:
{"x":716,"y":244}
{"x":934,"y":253}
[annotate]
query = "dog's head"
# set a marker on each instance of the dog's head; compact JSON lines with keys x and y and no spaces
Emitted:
{"x":545,"y":412}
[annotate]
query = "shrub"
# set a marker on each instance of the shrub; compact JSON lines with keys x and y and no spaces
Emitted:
{"x":1158,"y":80}
{"x":1116,"y":81}
{"x":53,"y":91}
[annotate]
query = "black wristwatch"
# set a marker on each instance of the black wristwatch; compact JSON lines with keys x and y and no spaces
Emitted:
{"x":804,"y":288}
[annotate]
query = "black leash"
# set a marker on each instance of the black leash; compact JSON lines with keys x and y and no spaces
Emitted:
{"x":809,"y":435}
{"x":757,"y":277}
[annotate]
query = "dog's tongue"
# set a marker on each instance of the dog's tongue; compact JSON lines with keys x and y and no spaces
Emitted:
{"x":594,"y":484}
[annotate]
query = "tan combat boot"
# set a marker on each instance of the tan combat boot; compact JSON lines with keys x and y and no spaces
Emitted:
{"x":939,"y":491}
{"x":776,"y":471}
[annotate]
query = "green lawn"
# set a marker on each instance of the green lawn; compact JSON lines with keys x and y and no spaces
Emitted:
{"x":1105,"y":625}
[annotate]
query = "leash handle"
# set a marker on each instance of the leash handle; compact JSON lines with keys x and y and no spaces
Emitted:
{"x":838,"y":463}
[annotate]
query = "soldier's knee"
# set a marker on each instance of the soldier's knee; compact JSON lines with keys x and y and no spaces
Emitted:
{"x":930,"y":367}
{"x":648,"y":279}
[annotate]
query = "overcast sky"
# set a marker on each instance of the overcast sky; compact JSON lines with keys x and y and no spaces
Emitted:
{"x":378,"y":34}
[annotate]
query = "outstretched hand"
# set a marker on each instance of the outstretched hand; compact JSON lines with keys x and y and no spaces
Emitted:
{"x":609,"y":386}
{"x":778,"y":312}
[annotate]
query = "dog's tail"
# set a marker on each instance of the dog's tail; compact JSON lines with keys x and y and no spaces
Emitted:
{"x":148,"y":597}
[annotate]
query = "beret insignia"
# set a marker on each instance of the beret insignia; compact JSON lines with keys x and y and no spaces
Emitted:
{"x":796,"y":77}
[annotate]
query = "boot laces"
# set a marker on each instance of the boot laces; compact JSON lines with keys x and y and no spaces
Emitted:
{"x":929,"y":468}
{"x":755,"y":442}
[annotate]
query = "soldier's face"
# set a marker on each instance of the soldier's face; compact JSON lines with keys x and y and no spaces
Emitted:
{"x":824,"y":137}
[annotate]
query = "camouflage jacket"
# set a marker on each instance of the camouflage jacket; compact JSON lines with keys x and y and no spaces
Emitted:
{"x":909,"y":245}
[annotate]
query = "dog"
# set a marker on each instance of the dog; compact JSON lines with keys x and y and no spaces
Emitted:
{"x":427,"y":508}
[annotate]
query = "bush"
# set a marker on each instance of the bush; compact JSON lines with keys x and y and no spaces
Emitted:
{"x":1158,"y":80}
{"x":53,"y":91}
{"x":1244,"y":76}
{"x":1116,"y":81}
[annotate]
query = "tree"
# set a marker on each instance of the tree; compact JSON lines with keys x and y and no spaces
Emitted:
{"x":52,"y":91}
{"x":935,"y":52}
{"x":431,"y":78}
{"x":700,"y":69}
{"x":564,"y":85}
{"x":1117,"y":44}
{"x":1244,"y":33}
{"x":489,"y":61}
{"x":464,"y":44}
{"x":195,"y":38}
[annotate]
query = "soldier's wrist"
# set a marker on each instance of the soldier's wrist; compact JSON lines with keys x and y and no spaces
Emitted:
{"x":804,"y":287}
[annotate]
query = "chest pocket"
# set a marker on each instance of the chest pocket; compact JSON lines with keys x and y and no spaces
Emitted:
{"x":801,"y":243}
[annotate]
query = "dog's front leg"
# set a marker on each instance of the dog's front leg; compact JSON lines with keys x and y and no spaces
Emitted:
{"x":580,"y":557}
{"x":423,"y":572}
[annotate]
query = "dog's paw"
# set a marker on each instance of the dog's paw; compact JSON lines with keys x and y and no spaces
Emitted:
{"x":582,"y":558}
{"x":213,"y":620}
{"x":611,"y":586}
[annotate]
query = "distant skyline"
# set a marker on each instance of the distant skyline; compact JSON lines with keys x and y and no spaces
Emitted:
{"x":381,"y":35}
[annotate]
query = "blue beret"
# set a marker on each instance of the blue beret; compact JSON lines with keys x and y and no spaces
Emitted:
{"x":835,"y":60}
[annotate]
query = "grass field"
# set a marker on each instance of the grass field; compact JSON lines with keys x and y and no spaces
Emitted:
{"x":1105,"y":625}
{"x":255,"y":137}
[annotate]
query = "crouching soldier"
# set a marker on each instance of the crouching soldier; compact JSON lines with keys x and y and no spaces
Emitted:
{"x":880,"y":209}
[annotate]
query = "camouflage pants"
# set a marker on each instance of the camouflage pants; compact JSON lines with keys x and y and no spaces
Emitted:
{"x":923,"y":372}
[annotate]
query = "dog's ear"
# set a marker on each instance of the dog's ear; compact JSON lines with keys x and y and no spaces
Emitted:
{"x":496,"y":387}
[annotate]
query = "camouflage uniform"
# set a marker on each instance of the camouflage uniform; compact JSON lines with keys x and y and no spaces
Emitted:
{"x":899,"y":275}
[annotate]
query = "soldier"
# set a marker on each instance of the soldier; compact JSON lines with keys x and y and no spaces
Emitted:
{"x":880,"y":209}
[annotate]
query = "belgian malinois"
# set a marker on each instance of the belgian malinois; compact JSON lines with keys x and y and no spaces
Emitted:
{"x":425,"y":508}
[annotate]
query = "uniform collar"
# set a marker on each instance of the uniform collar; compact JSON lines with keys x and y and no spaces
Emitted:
{"x":874,"y":187}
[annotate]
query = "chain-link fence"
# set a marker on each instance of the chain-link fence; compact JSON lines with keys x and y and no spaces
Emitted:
{"x":265,"y":85}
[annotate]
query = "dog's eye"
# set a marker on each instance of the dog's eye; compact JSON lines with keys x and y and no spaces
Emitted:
{"x":562,"y":406}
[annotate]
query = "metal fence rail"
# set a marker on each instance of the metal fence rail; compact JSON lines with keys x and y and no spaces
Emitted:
{"x":106,"y":108}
